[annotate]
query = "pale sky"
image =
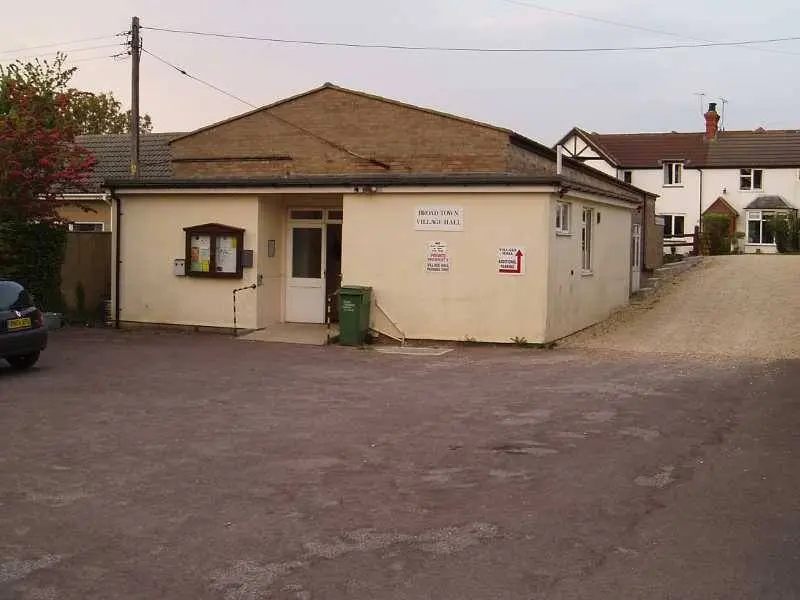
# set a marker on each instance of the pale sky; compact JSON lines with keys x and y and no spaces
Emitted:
{"x":538,"y":95}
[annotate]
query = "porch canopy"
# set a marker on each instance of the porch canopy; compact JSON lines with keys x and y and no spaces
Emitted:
{"x":769,"y":203}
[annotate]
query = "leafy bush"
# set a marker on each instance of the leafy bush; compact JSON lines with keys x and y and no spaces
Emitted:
{"x":717,"y":234}
{"x":32,"y":254}
{"x":787,"y":233}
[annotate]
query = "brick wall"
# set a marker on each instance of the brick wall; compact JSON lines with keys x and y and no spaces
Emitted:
{"x":407,"y":139}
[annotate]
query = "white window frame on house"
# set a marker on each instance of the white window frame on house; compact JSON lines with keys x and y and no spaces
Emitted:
{"x":747,"y":180}
{"x":627,"y":176}
{"x":563,"y":214}
{"x":761,"y":217}
{"x":87,"y":226}
{"x":673,"y":173}
{"x":669,"y":225}
{"x":587,"y":240}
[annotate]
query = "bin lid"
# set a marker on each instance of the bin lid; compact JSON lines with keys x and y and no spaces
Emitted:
{"x":355,"y":289}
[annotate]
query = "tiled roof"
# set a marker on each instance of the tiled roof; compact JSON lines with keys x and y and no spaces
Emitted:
{"x":647,"y":150}
{"x":769,"y":202}
{"x":113,"y":154}
{"x":760,"y":148}
{"x":730,"y":149}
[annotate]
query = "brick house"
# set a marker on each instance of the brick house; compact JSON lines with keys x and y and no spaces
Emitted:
{"x":339,"y":186}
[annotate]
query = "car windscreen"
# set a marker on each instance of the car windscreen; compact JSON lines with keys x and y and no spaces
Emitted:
{"x":13,"y":296}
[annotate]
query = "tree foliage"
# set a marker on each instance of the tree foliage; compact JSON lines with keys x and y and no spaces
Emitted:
{"x":102,"y":113}
{"x":38,"y":158}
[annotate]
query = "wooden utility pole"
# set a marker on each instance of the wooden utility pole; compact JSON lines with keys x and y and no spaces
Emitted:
{"x":136,"y":55}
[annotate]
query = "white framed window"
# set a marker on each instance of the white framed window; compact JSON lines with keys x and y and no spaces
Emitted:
{"x":673,"y":173}
{"x":587,"y":240}
{"x":627,"y":176}
{"x":760,"y":227}
{"x":751,"y":180}
{"x":563,"y":210}
{"x":674,"y":225}
{"x":86,"y":226}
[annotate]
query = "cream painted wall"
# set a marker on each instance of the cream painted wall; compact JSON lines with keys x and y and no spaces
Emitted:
{"x":152,"y":236}
{"x":577,"y":300}
{"x":780,"y":182}
{"x":272,"y":226}
{"x":99,"y":212}
{"x":383,"y":250}
{"x":673,"y":200}
{"x":725,"y":183}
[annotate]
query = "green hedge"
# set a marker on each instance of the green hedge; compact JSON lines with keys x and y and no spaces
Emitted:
{"x":32,"y":253}
{"x":787,"y":233}
{"x":717,"y":234}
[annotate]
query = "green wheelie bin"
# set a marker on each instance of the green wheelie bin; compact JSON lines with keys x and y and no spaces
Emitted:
{"x":354,"y":306}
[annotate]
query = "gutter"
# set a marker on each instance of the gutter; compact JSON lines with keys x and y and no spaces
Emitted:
{"x":362,"y":182}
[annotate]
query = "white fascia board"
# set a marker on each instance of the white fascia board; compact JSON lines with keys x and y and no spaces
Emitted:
{"x":600,"y":199}
{"x":400,"y":189}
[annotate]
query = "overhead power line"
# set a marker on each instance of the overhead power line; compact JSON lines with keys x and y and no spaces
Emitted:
{"x":68,"y":53}
{"x":91,"y":58}
{"x":58,"y":44}
{"x":270,"y":114}
{"x":585,"y":17}
{"x":577,"y":15}
{"x":470,"y":49}
{"x":197,"y":79}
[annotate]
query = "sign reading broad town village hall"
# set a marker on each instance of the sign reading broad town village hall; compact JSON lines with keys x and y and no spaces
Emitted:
{"x":439,"y":218}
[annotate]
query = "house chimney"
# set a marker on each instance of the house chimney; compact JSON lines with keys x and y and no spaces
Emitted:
{"x":712,"y":121}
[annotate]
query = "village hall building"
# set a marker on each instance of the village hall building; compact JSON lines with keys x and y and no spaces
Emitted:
{"x":463,"y":230}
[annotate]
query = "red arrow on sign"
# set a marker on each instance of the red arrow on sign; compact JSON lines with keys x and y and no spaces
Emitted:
{"x":518,"y":268}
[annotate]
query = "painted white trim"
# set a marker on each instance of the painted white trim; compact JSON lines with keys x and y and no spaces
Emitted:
{"x":101,"y":223}
{"x":461,"y":189}
{"x":453,"y":189}
{"x":93,"y":196}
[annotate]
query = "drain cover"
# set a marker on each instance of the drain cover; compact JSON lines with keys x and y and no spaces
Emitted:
{"x":409,"y":351}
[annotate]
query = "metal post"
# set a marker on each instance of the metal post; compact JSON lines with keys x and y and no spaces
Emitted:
{"x":252,"y":286}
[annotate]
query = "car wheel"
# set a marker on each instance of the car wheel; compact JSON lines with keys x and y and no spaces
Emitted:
{"x":23,"y":362}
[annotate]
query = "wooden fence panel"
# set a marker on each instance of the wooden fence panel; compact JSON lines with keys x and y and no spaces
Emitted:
{"x":87,"y":263}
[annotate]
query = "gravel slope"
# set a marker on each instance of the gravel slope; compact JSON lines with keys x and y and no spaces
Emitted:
{"x":744,"y":307}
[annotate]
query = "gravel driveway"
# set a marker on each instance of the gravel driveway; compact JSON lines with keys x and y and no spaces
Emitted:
{"x":728,"y":307}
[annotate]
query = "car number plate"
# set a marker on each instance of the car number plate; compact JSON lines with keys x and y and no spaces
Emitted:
{"x":21,"y":323}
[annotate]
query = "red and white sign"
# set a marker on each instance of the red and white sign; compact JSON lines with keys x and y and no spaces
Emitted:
{"x":511,"y":260}
{"x":438,"y":258}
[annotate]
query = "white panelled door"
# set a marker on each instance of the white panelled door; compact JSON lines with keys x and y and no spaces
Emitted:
{"x":305,"y":283}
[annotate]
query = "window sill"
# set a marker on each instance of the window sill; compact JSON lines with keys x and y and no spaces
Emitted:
{"x":587,"y":273}
{"x":672,"y":185}
{"x":563,"y":233}
{"x":749,"y":191}
{"x":762,"y":244}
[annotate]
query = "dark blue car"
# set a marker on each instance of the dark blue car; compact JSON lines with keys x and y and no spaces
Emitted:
{"x":23,"y":334}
